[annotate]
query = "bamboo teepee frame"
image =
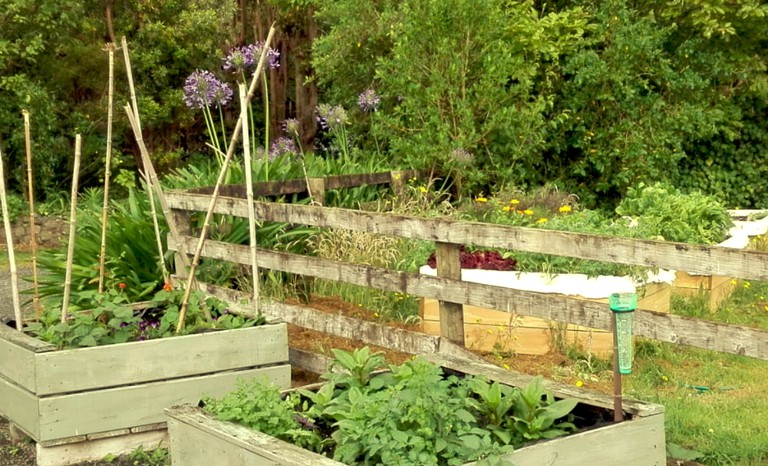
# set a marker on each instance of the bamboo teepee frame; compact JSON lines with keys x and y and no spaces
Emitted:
{"x":149,"y":170}
{"x":222,"y":173}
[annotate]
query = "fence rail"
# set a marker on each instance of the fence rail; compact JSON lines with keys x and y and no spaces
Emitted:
{"x":449,"y":235}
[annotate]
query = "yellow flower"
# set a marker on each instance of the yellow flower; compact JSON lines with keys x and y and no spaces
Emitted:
{"x":481,"y":198}
{"x":505,"y":366}
{"x":514,"y":202}
{"x":506,"y":208}
{"x":564,"y":209}
{"x":665,"y":378}
{"x":375,"y":314}
{"x":422,"y":189}
{"x":528,"y":212}
{"x":747,"y":285}
{"x":541,"y":220}
{"x":733,"y":282}
{"x":579,"y":383}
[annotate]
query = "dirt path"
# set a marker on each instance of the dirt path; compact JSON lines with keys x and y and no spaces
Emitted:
{"x":6,"y":297}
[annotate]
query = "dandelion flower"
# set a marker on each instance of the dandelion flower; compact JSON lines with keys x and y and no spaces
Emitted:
{"x":565,"y":209}
{"x":514,"y":201}
{"x":528,"y":212}
{"x":506,"y":208}
{"x":541,"y":220}
{"x":422,"y":189}
{"x":481,"y":198}
{"x":579,"y":383}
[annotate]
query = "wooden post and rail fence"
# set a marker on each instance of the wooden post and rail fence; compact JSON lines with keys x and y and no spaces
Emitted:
{"x":447,"y":287}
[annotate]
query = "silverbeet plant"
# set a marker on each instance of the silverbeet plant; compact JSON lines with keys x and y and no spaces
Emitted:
{"x":411,"y":414}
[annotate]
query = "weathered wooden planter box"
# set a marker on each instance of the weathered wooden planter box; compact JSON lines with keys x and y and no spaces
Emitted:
{"x":715,"y":288}
{"x":198,"y":439}
{"x":75,"y":395}
{"x":491,"y":330}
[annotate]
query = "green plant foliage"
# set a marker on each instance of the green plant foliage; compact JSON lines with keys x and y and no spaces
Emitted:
{"x":664,"y":212}
{"x":111,"y":318}
{"x":470,"y":92}
{"x":413,"y":414}
{"x":132,"y":254}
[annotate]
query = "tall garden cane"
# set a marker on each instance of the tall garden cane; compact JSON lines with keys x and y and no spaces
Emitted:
{"x":11,"y":256}
{"x":31,"y":195}
{"x":72,"y":230}
{"x":249,"y":196}
{"x":107,"y":162}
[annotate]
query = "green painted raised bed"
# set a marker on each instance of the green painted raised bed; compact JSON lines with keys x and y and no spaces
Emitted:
{"x":198,"y":439}
{"x":74,"y":393}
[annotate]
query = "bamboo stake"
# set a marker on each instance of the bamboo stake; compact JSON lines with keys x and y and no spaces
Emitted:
{"x":72,"y":229}
{"x":107,"y":162}
{"x":147,"y":172}
{"x":222,"y":174}
{"x":11,"y":256}
{"x":32,"y":229}
{"x":249,"y":196}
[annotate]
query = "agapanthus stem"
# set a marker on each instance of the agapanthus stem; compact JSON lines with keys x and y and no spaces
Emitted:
{"x":265,"y":86}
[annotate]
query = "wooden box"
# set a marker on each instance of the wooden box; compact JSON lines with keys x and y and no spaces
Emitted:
{"x":198,"y":439}
{"x":80,"y":394}
{"x":716,"y":288}
{"x":490,"y":330}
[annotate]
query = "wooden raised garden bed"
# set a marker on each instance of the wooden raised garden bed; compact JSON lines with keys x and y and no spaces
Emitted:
{"x":75,"y":395}
{"x":716,"y":288}
{"x":197,"y":438}
{"x":491,"y":330}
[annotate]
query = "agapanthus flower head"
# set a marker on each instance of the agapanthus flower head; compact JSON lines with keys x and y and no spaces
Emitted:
{"x":368,"y":101}
{"x":461,"y":156}
{"x":202,"y":89}
{"x":282,"y":146}
{"x":239,"y":59}
{"x":291,"y":127}
{"x":331,"y":116}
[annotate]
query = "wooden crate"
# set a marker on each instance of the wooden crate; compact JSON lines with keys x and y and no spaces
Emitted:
{"x":491,"y":330}
{"x":198,"y":439}
{"x":79,"y":394}
{"x":716,"y":288}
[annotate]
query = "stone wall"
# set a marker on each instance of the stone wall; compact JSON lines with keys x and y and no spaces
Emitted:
{"x":49,"y":232}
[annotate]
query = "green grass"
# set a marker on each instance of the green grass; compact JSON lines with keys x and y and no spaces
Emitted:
{"x":746,"y":306}
{"x":716,"y":404}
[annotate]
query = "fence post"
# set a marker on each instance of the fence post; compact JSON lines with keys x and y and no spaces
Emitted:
{"x":183,"y":221}
{"x":451,"y":314}
{"x":317,"y":188}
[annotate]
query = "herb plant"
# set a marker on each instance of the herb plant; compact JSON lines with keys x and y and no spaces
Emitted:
{"x":412,"y":414}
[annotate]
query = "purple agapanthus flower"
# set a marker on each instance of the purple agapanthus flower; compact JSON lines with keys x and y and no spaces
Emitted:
{"x":282,"y":146}
{"x":202,"y":89}
{"x":461,"y":156}
{"x":331,"y":116}
{"x":368,"y":101}
{"x":247,"y":57}
{"x":291,"y":127}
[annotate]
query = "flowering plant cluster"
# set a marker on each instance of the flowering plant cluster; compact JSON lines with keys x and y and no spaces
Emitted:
{"x":113,"y":319}
{"x":485,"y":260}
